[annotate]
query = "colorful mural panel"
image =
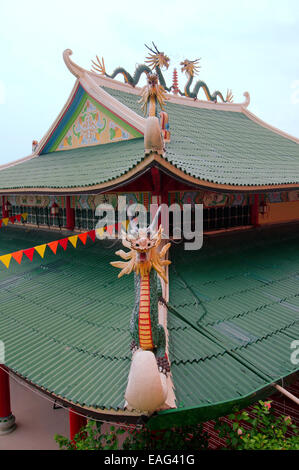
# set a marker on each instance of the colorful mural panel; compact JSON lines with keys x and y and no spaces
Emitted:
{"x":92,"y":201}
{"x":30,"y":200}
{"x":276,"y":196}
{"x":94,"y":126}
{"x":208,"y":198}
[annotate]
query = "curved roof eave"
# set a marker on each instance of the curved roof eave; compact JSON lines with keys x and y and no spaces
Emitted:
{"x":139,"y":169}
{"x":206,"y":412}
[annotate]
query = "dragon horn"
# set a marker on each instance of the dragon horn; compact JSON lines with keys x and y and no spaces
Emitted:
{"x":150,"y":49}
{"x":151,"y":228}
{"x":157,"y":50}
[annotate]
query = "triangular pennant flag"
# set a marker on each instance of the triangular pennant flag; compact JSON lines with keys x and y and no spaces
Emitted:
{"x":5,"y":221}
{"x":63,"y":243}
{"x":19,"y":217}
{"x":83,"y":237}
{"x":25,"y":215}
{"x":92,"y":235}
{"x":5,"y":260}
{"x":74,"y":240}
{"x":29,"y":253}
{"x":18,"y":255}
{"x":12,"y":219}
{"x":53,"y":246}
{"x":41,"y":249}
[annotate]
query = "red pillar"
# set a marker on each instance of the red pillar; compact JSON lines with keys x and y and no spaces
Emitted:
{"x":156,"y":181}
{"x":255,"y":211}
{"x":77,"y":422}
{"x":70,"y":214}
{"x":7,"y":420}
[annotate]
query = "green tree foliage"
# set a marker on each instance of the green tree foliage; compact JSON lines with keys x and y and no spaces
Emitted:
{"x":261,"y":431}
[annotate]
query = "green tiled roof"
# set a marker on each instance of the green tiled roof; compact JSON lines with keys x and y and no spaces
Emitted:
{"x":222,"y":147}
{"x":235,"y":314}
{"x":84,"y":166}
{"x":234,"y":311}
{"x":64,"y":320}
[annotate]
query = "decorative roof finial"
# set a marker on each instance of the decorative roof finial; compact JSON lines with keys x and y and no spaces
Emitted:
{"x":157,"y":58}
{"x":175,"y":82}
{"x":191,"y":68}
{"x":156,"y":61}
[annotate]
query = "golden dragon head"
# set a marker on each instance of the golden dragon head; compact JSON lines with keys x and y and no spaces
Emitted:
{"x":151,"y":91}
{"x":190,"y":67}
{"x":157,"y":58}
{"x":144,"y":254}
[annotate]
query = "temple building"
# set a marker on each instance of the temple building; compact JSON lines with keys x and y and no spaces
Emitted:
{"x":230,"y":310}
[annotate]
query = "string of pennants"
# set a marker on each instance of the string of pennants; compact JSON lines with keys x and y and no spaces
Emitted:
{"x":13,"y":218}
{"x":63,"y":242}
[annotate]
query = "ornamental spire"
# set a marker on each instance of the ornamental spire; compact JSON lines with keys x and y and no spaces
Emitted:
{"x":175,"y":82}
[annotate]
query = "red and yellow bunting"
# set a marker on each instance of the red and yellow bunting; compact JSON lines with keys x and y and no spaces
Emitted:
{"x":18,"y":256}
{"x":13,"y":219}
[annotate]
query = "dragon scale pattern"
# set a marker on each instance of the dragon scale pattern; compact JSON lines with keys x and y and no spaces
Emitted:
{"x":144,"y":317}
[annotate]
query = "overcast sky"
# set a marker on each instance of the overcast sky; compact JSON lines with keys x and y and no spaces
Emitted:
{"x":244,"y":45}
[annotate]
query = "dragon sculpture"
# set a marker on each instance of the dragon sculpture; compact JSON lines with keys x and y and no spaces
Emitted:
{"x":156,"y":61}
{"x":152,"y":94}
{"x":146,"y":261}
{"x":191,"y":68}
